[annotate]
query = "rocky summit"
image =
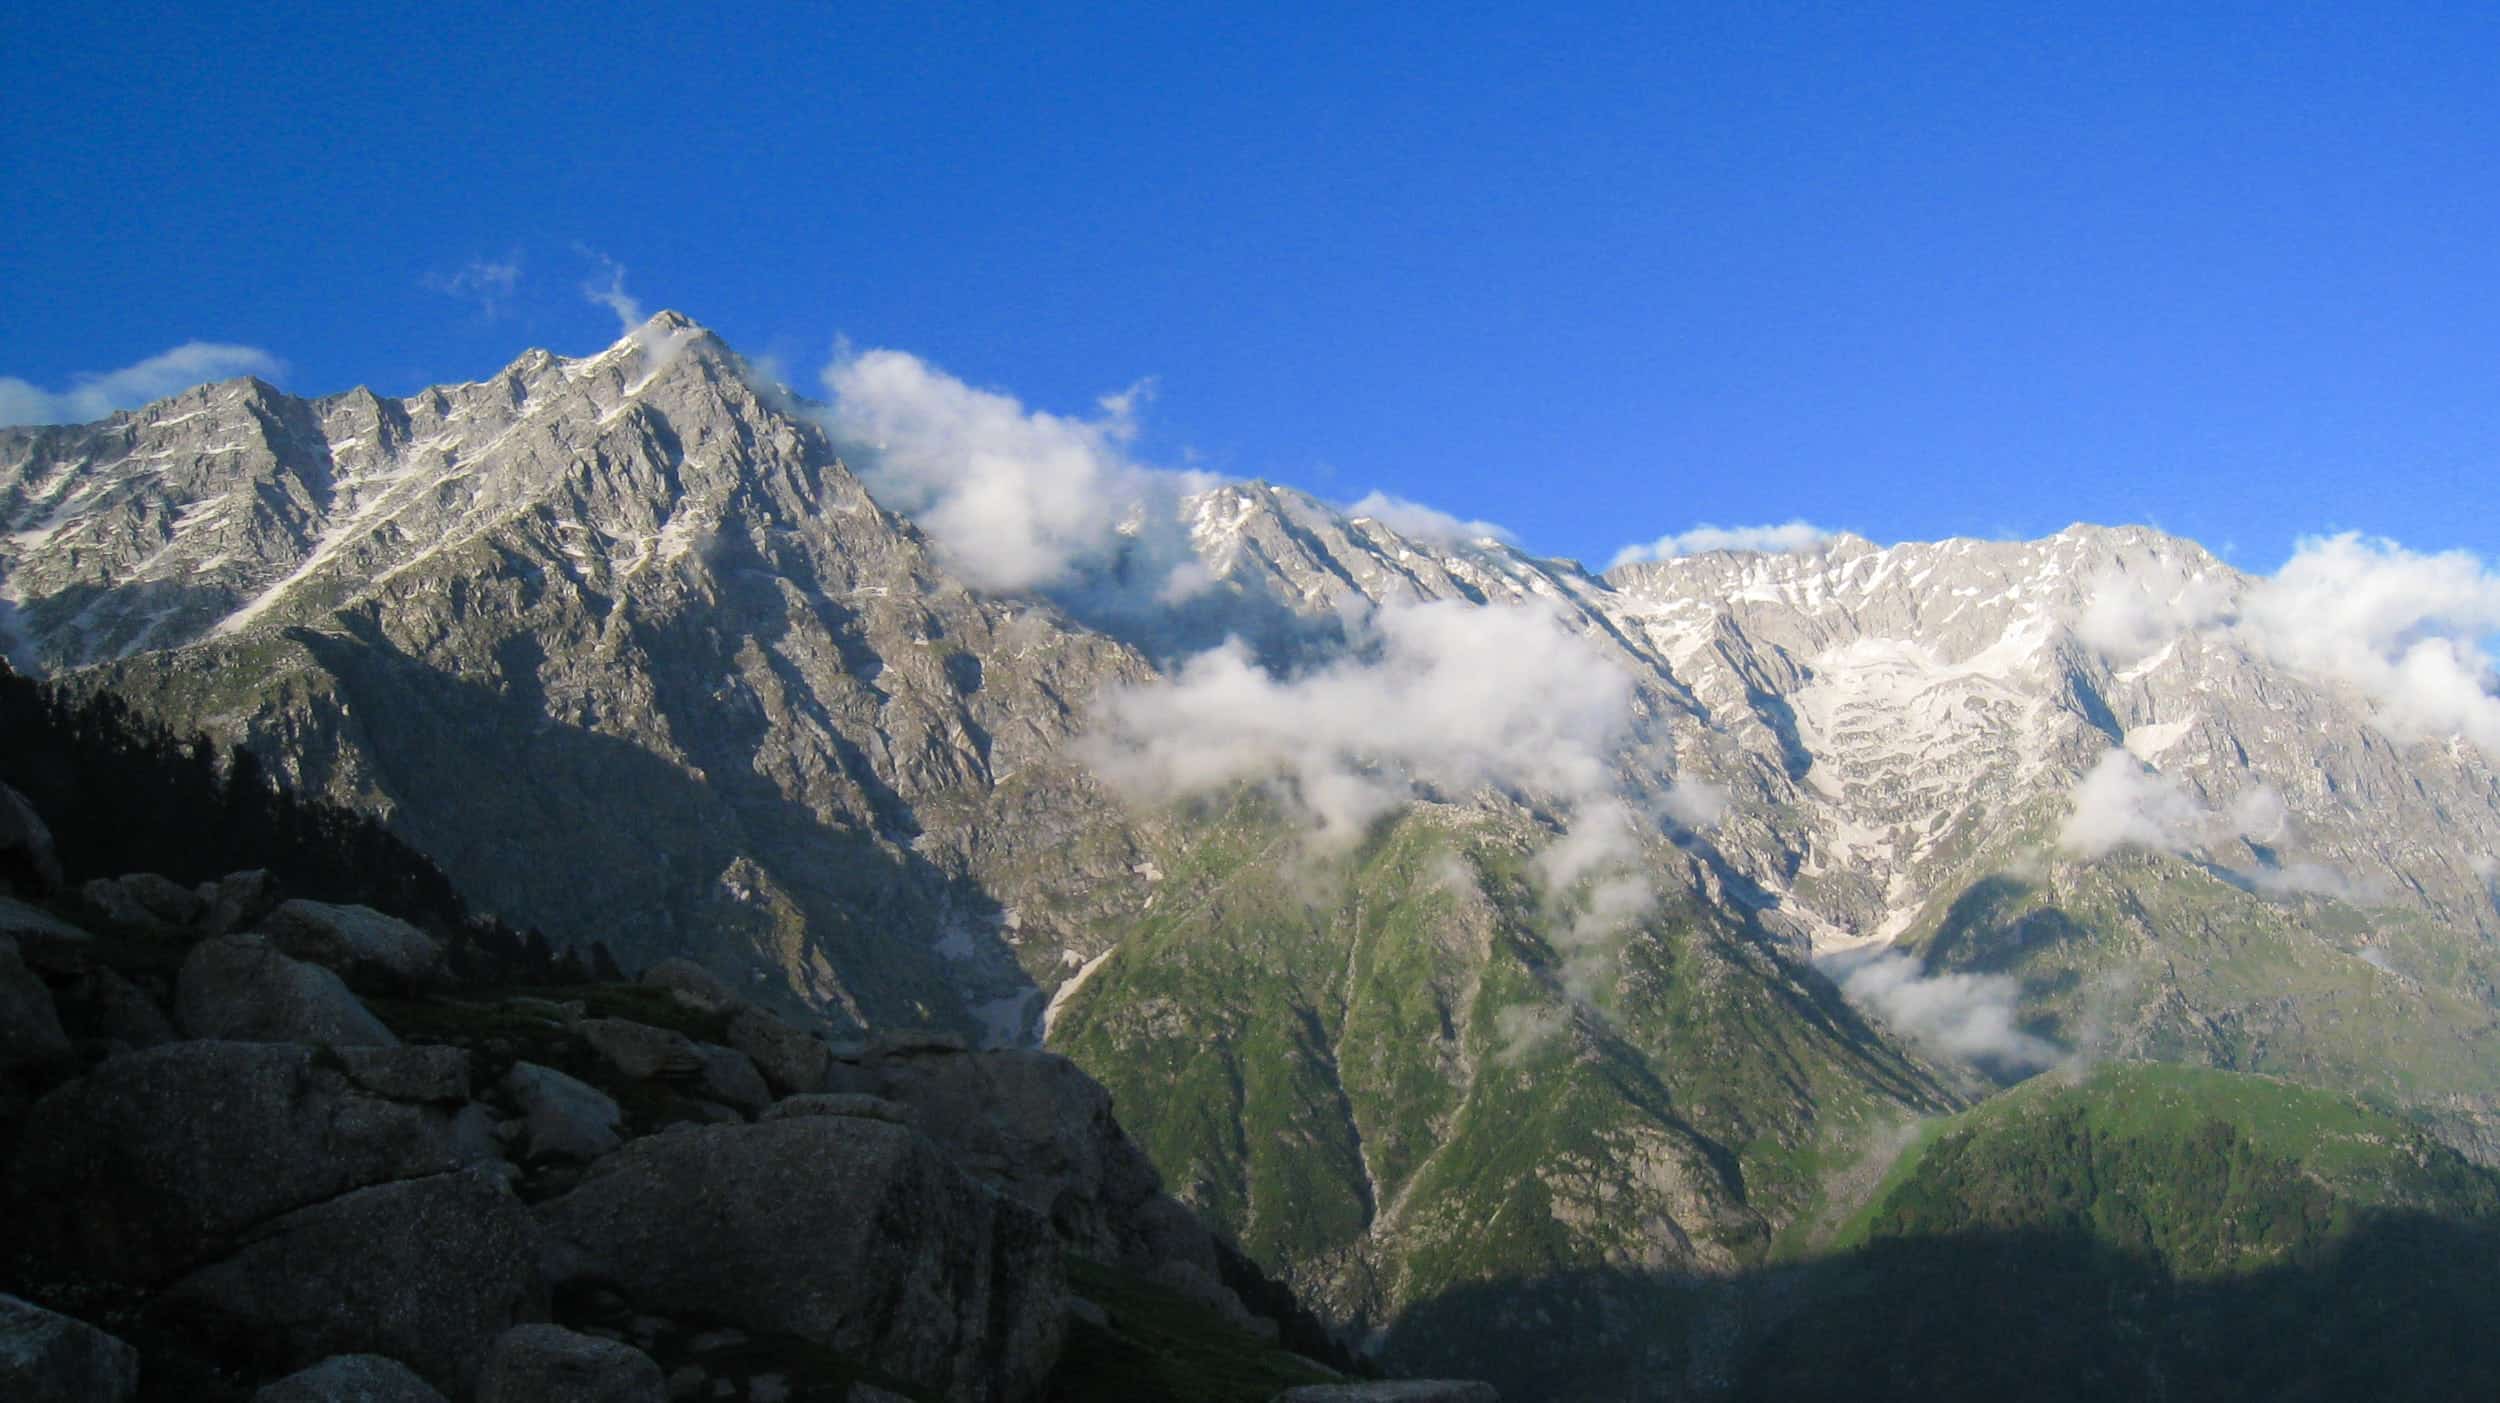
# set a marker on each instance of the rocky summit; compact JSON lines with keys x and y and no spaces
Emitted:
{"x":1525,"y":964}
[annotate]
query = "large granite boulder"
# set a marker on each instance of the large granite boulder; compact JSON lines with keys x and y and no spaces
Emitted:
{"x":352,"y":1378}
{"x":641,"y":1051}
{"x":366,"y":948}
{"x":46,"y":1357}
{"x":159,"y":1158}
{"x":97,"y":1002}
{"x":243,"y":988}
{"x":1035,"y":1127}
{"x":691,"y":984}
{"x":237,"y":901}
{"x":550,"y":1364}
{"x":28,"y":863}
{"x":562,"y":1117}
{"x":793,"y":1062}
{"x":46,"y":941}
{"x":143,"y":900}
{"x":856,"y":1234}
{"x":729,"y":1078}
{"x":1394,"y":1391}
{"x":426,"y":1271}
{"x":30,"y":1027}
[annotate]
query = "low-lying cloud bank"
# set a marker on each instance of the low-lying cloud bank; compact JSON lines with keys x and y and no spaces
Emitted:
{"x":93,"y":397}
{"x":2409,"y":631}
{"x":1787,"y":536}
{"x":1970,"y":1017}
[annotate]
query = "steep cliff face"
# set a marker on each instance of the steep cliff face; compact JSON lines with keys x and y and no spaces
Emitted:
{"x":620,"y":612}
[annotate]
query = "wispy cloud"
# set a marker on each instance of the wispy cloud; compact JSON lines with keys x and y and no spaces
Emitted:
{"x":607,"y":288}
{"x":487,"y":284}
{"x":91,"y":397}
{"x":1016,"y":498}
{"x":1785,"y":537}
{"x":1430,"y":525}
{"x":2120,"y":803}
{"x":1970,"y":1017}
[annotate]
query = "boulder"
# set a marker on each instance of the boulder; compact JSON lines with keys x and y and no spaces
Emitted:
{"x":237,"y":901}
{"x":728,"y":1077}
{"x":550,"y":1364}
{"x":30,"y":1027}
{"x":46,"y":1357}
{"x":419,"y":1074}
{"x":243,"y":988}
{"x":351,"y":1378}
{"x":427,"y":1271}
{"x":641,"y":1051}
{"x":161,"y":1157}
{"x":143,"y":900}
{"x":28,"y":863}
{"x":691,"y":984}
{"x":841,"y":1104}
{"x":100,"y":1004}
{"x":1394,"y":1391}
{"x":366,"y":948}
{"x":1035,"y":1127}
{"x":855,"y":1234}
{"x":562,"y":1118}
{"x":44,"y":940}
{"x":792,"y":1062}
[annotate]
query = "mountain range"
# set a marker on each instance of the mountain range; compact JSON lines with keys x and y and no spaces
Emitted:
{"x":1517,"y":959}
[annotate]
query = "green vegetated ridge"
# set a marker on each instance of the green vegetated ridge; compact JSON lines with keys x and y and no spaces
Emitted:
{"x":1370,"y":1068}
{"x":2150,"y":1231}
{"x":2152,"y":957}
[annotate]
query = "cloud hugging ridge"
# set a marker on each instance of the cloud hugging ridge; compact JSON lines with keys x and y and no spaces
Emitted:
{"x":93,"y":397}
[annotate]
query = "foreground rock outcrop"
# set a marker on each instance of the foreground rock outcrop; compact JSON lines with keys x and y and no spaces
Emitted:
{"x":267,"y":1139}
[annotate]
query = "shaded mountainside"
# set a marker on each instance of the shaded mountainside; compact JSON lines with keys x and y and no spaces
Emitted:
{"x":2153,"y":1232}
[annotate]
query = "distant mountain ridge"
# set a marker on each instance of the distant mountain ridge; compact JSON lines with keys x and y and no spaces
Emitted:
{"x":1618,"y":842}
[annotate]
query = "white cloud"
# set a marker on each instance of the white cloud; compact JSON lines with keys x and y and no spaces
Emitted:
{"x":1430,"y":525}
{"x":2130,"y":614}
{"x":2259,"y":814}
{"x":485,"y":282}
{"x":610,"y":292}
{"x":2120,"y":803}
{"x":1016,"y":498}
{"x":1447,"y":696}
{"x":1789,"y":536}
{"x":92,"y":397}
{"x":1695,"y":805}
{"x":1966,"y":1016}
{"x":2409,"y":631}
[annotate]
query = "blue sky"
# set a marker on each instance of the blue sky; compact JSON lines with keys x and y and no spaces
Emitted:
{"x":1911,"y":270}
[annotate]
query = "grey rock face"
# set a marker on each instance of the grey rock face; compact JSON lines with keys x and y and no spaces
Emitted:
{"x":112,"y":1008}
{"x":793,"y":1062}
{"x":242,"y":988}
{"x":414,"y":1074}
{"x":692,"y":984}
{"x":30,"y":1027}
{"x":236,"y":901}
{"x":550,"y":1364}
{"x":629,"y":580}
{"x":1396,"y":1391}
{"x":44,"y":940}
{"x":729,"y":1078}
{"x":562,"y":1118}
{"x":143,"y":899}
{"x":641,"y":1051}
{"x":351,"y":1378}
{"x":28,"y":862}
{"x":853,"y":1233}
{"x":363,"y":946}
{"x":428,"y":1271}
{"x":160,"y":1157}
{"x":842,"y":1104}
{"x":49,"y":1358}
